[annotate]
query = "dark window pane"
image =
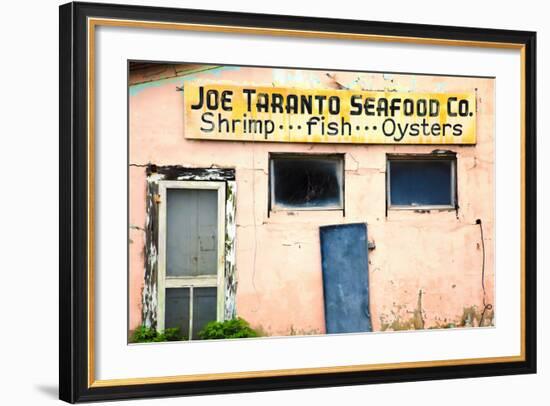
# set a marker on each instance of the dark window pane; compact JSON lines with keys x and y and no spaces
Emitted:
{"x":204,"y":308}
{"x":177,"y":309}
{"x":421,"y":183}
{"x":192,"y":232}
{"x":307,"y":182}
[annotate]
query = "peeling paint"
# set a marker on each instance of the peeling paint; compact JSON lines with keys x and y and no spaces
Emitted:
{"x":215,"y":71}
{"x":418,"y":320}
{"x":230,"y":266}
{"x":472,"y":316}
{"x":399,"y":318}
{"x":149,"y":292}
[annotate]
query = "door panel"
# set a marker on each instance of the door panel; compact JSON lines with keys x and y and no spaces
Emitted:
{"x":191,"y":292}
{"x":192,"y":232}
{"x":204,"y":308}
{"x":177,"y":309}
{"x":344,"y":254}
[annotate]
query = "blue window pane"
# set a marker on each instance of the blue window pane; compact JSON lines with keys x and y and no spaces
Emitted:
{"x":421,"y":183}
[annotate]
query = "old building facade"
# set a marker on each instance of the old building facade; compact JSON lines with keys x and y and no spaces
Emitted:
{"x":427,"y":211}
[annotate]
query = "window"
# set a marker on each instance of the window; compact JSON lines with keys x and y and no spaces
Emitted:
{"x":421,"y":181}
{"x":306,"y":182}
{"x":191,"y":255}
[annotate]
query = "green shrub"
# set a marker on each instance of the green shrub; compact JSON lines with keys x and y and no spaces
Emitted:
{"x":173,"y":334}
{"x":144,"y":334}
{"x":234,"y":328}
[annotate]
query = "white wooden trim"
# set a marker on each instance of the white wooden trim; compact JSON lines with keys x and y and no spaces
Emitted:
{"x":191,"y":300}
{"x":221,"y":252}
{"x":217,"y":280}
{"x":192,"y":184}
{"x":197,"y":282}
{"x":161,"y":267}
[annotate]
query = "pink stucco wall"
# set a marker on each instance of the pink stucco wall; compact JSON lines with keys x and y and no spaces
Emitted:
{"x":426,"y":268}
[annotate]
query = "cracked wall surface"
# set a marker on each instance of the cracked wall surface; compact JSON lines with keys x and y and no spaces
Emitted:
{"x":426,"y":269}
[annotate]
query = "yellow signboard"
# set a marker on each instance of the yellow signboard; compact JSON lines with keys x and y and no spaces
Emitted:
{"x":251,"y":113}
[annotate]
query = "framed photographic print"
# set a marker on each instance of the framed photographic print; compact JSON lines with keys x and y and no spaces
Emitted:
{"x":256,"y":202}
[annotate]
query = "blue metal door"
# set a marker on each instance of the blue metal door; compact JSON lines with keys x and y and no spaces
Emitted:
{"x":344,"y":253}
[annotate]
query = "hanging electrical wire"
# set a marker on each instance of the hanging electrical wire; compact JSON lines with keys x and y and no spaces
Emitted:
{"x":486,"y":306}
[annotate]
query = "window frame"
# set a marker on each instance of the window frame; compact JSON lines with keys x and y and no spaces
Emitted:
{"x":338,"y":157}
{"x":166,"y":282}
{"x":451,"y":157}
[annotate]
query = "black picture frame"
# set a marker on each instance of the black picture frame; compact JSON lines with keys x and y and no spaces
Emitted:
{"x":74,"y":383}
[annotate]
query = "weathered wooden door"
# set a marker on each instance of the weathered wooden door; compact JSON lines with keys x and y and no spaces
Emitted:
{"x":344,"y":253}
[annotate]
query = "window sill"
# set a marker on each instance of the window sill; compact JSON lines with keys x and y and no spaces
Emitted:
{"x":305,"y":216}
{"x":422,"y":209}
{"x":422,"y":215}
